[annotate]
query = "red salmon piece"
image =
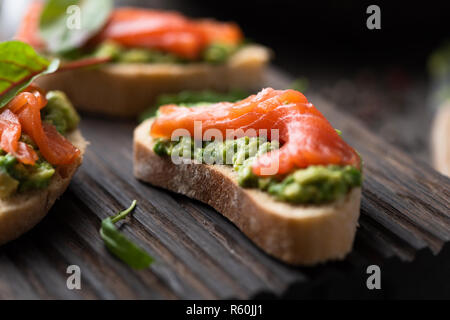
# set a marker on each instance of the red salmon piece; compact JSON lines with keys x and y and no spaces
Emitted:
{"x":143,"y":28}
{"x":23,"y":113}
{"x":307,"y":138}
{"x":166,"y":31}
{"x":10,"y":132}
{"x":29,"y":29}
{"x":54,"y":148}
{"x":223,"y":32}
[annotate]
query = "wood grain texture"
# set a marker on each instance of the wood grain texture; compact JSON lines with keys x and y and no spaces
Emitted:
{"x":199,"y":254}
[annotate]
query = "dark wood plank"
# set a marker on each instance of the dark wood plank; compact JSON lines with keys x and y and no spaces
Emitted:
{"x":200,"y":254}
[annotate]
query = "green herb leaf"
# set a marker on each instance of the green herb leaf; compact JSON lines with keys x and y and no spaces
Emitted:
{"x":19,"y":66}
{"x":58,"y":22}
{"x":121,"y":246}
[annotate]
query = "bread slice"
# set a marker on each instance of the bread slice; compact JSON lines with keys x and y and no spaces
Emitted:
{"x":296,"y":234}
{"x":23,"y":211}
{"x":125,"y":90}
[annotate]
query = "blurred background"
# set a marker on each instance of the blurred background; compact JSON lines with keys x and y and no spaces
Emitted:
{"x":379,"y":76}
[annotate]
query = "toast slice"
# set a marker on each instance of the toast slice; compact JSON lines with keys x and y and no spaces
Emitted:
{"x":23,"y":211}
{"x":296,"y":234}
{"x":126,"y":90}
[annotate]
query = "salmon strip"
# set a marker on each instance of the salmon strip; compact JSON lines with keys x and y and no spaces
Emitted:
{"x":224,"y":32}
{"x":10,"y":132}
{"x":23,"y":113}
{"x":307,"y":138}
{"x":29,"y":28}
{"x":154,"y":29}
{"x":166,"y":31}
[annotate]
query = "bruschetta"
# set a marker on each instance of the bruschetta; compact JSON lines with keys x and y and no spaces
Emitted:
{"x":271,"y":163}
{"x":41,"y":148}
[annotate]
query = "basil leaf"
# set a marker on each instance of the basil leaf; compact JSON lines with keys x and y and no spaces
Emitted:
{"x":121,"y":246}
{"x":57,"y":24}
{"x":19,"y":66}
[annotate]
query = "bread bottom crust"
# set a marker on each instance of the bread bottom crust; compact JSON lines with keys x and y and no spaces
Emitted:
{"x":296,"y":234}
{"x":23,"y":211}
{"x":127,"y":89}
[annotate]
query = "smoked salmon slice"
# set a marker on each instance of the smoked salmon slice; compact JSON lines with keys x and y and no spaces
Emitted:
{"x":23,"y":113}
{"x":306,"y":137}
{"x":29,"y":28}
{"x":144,"y":28}
{"x":10,"y":132}
{"x":223,"y":32}
{"x":166,"y":31}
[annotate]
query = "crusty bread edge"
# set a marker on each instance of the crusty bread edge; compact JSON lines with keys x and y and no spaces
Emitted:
{"x":299,"y":235}
{"x":127,"y":89}
{"x":21,"y":212}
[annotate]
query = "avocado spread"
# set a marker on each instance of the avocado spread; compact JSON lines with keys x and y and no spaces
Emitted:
{"x":215,"y":53}
{"x":315,"y":184}
{"x":60,"y":112}
{"x":18,"y":177}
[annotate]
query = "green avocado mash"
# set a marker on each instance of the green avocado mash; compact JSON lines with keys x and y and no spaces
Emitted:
{"x":215,"y":53}
{"x":133,"y":55}
{"x":314,"y":184}
{"x":18,"y":177}
{"x":60,"y":112}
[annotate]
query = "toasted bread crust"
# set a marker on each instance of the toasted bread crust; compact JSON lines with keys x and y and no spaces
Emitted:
{"x":126,"y":90}
{"x":23,"y":211}
{"x":296,"y":234}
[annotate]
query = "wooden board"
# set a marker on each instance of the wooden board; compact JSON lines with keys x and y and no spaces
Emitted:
{"x":405,"y":221}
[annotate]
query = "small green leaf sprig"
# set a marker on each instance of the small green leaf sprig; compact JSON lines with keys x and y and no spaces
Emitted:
{"x":122,"y":247}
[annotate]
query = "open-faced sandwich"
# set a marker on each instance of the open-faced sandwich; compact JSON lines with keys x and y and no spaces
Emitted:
{"x":40,"y":146}
{"x":270,"y":163}
{"x":144,"y":53}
